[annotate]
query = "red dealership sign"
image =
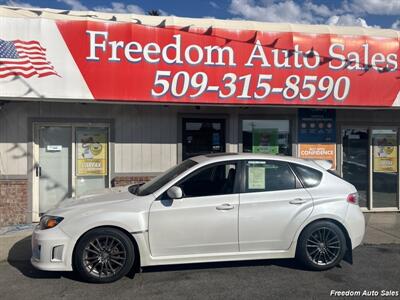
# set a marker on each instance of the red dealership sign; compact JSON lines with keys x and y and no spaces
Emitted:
{"x":134,"y":62}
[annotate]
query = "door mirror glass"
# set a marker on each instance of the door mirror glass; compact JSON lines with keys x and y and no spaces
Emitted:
{"x":175,"y":192}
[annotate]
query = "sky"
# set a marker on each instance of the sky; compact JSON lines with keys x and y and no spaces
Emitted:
{"x":366,"y":13}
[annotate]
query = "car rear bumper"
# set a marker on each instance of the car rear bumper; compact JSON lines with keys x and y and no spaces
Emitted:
{"x":355,"y":223}
{"x":51,"y":249}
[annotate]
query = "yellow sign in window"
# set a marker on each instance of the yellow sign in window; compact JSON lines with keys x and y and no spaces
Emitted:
{"x":91,"y":158}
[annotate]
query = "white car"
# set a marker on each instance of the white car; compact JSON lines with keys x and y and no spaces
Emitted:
{"x":206,"y":209}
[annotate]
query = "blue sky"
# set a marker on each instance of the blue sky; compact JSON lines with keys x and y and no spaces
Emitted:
{"x":378,"y":13}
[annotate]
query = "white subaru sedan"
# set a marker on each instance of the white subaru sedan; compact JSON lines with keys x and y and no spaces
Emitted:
{"x":206,"y":209}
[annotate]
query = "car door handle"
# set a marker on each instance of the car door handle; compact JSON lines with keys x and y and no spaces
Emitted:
{"x":298,"y":201}
{"x":225,"y":206}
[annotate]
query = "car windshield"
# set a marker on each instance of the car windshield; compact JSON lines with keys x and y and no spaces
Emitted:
{"x":159,"y":181}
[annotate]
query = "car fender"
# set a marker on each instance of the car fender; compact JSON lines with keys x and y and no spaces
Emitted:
{"x":130,"y":222}
{"x":314,"y":218}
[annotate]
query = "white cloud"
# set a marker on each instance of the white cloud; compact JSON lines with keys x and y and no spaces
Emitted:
{"x":347,"y":20}
{"x":119,"y":7}
{"x":163,"y":12}
{"x":20,"y":4}
{"x":214,"y":5}
{"x":376,"y":7}
{"x":345,"y":12}
{"x":396,"y":25}
{"x":287,"y":11}
{"x":320,"y":10}
{"x":74,"y":4}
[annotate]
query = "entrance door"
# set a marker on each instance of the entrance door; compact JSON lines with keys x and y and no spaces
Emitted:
{"x":370,"y":163}
{"x":202,"y":136}
{"x":355,"y":168}
{"x":69,"y":160}
{"x":54,"y":168}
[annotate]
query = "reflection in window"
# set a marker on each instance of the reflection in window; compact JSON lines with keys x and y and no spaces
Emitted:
{"x":355,"y":160}
{"x":266,"y":136}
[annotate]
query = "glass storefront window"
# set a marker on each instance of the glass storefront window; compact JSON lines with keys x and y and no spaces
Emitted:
{"x":91,"y":159}
{"x":355,"y":160}
{"x":202,"y":136}
{"x":385,"y":168}
{"x":266,"y":136}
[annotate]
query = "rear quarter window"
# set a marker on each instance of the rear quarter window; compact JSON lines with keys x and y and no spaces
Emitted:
{"x":308,"y":176}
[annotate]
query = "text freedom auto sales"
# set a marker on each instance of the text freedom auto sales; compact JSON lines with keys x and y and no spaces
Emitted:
{"x":216,"y":56}
{"x":364,"y":293}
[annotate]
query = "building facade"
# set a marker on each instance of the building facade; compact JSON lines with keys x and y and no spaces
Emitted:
{"x":94,"y":101}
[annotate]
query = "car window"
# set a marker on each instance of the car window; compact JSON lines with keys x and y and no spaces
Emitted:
{"x":161,"y":180}
{"x":217,"y":179}
{"x":308,"y":176}
{"x":264,"y":176}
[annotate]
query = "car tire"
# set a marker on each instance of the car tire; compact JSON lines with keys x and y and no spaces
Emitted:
{"x":321,"y":246}
{"x":103,"y":255}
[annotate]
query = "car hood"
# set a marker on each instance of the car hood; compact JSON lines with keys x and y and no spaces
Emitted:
{"x":100,"y":198}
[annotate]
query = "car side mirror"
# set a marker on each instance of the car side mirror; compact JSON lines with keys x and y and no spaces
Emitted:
{"x":175,"y":192}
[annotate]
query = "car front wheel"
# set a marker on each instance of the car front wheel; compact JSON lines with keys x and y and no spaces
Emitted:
{"x":104,"y":255}
{"x":321,"y":246}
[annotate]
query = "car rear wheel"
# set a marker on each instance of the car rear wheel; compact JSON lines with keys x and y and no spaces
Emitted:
{"x":321,"y":246}
{"x":104,"y":255}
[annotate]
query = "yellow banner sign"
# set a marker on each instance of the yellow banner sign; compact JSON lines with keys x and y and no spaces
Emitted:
{"x":385,"y":153}
{"x":91,"y":152}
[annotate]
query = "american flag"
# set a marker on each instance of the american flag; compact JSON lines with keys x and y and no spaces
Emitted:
{"x":24,"y":58}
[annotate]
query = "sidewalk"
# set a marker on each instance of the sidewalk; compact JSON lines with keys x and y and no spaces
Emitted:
{"x":381,"y":228}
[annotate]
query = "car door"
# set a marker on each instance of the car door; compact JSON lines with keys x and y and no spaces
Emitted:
{"x":204,"y":220}
{"x":273,"y":205}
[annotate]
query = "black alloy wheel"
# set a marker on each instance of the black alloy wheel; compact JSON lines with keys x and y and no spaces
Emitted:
{"x":104,"y":255}
{"x":321,"y":245}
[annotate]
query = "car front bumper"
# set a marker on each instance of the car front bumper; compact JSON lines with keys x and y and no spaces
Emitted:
{"x":51,"y":250}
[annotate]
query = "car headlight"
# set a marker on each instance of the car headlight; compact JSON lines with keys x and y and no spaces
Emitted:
{"x":47,"y":222}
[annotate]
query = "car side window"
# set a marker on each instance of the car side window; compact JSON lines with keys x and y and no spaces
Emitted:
{"x":218,"y":179}
{"x":265,"y":176}
{"x":308,"y":176}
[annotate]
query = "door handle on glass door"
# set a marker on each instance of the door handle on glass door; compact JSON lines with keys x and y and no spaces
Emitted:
{"x":225,"y":206}
{"x":298,"y":201}
{"x":38,"y":170}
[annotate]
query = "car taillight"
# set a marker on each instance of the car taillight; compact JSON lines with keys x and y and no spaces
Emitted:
{"x":352,"y":198}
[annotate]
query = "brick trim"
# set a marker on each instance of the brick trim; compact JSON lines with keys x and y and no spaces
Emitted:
{"x":126,"y":180}
{"x":13,"y":201}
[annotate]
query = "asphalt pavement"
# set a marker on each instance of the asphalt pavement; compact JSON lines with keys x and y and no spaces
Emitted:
{"x":376,"y":268}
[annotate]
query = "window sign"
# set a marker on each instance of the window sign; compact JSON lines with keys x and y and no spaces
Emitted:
{"x":317,"y":125}
{"x":256,"y":178}
{"x":385,"y":152}
{"x":265,"y":141}
{"x":91,"y":152}
{"x":266,"y":136}
{"x":54,"y":148}
{"x":319,"y":152}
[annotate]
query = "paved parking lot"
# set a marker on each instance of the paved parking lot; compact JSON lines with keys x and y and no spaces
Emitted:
{"x":376,"y":267}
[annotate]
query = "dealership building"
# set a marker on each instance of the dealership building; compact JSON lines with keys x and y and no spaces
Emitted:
{"x":92,"y":100}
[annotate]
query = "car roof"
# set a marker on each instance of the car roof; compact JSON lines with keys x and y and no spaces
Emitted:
{"x":217,"y":157}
